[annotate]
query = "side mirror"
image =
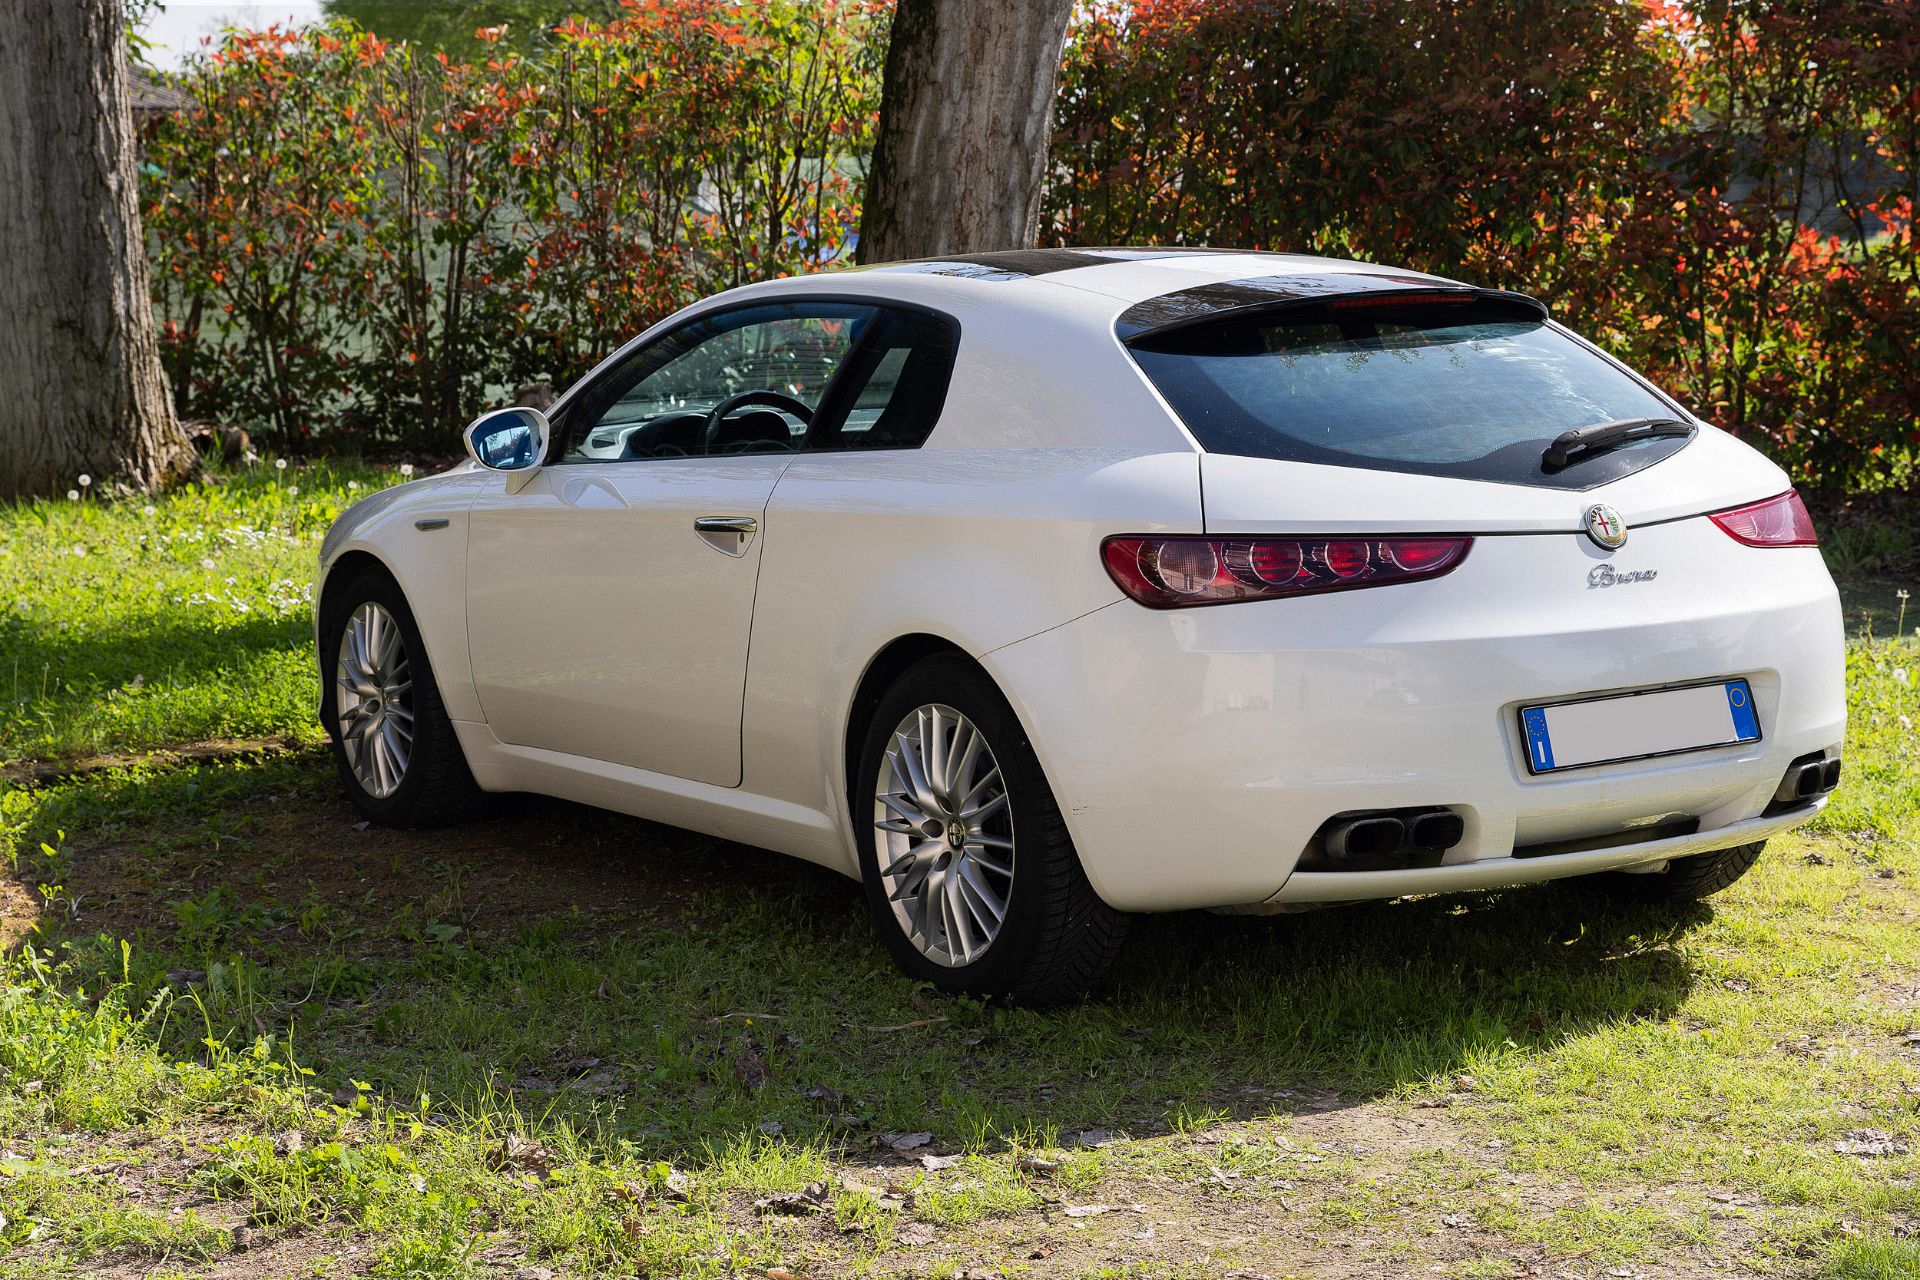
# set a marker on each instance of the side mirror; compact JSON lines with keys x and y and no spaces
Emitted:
{"x":508,"y":439}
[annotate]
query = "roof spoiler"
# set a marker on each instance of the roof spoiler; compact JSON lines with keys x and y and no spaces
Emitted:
{"x":1341,"y":291}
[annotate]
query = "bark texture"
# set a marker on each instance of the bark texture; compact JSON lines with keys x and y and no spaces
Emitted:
{"x":81,"y":389}
{"x":965,"y":114}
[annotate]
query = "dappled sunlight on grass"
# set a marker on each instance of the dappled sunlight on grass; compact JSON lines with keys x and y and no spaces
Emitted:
{"x":128,"y":625}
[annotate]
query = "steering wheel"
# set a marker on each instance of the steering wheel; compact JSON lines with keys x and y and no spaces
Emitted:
{"x":734,"y":403}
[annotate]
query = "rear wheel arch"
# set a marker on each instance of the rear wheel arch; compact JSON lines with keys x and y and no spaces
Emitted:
{"x":1057,"y":936}
{"x":882,"y":671}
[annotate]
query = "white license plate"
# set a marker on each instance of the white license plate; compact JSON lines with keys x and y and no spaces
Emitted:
{"x":1633,"y":726}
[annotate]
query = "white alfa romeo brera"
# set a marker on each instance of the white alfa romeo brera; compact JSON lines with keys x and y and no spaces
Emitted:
{"x":1037,"y":588}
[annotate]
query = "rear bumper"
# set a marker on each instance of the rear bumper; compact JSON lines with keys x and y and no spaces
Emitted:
{"x":1195,"y":753}
{"x":1499,"y":873}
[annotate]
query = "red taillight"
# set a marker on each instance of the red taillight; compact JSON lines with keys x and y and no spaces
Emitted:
{"x":1777,"y":522}
{"x":1179,"y":572}
{"x":1348,"y":559}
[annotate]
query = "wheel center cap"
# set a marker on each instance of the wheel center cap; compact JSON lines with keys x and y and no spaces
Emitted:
{"x":957,"y":834}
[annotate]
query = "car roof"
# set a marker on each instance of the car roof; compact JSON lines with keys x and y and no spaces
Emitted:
{"x":1096,"y":288}
{"x":1137,"y":274}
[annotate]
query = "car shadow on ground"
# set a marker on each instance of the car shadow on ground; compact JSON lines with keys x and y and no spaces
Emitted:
{"x":643,"y":983}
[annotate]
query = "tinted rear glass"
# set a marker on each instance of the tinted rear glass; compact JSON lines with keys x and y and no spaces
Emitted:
{"x":1475,"y":391}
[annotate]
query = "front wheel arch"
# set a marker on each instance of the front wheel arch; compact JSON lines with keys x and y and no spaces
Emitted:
{"x":437,"y":786}
{"x":333,"y":586}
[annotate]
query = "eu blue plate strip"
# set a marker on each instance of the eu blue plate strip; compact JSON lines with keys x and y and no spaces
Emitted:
{"x":1539,"y":746}
{"x":1740,"y":702}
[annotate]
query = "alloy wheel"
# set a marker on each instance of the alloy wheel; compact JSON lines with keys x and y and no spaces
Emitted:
{"x":946,"y":852}
{"x":374,"y":700}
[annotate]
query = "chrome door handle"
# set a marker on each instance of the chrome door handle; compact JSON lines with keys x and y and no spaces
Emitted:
{"x":729,"y":535}
{"x":726,"y":524}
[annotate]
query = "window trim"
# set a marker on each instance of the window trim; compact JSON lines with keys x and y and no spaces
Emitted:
{"x":561,"y":431}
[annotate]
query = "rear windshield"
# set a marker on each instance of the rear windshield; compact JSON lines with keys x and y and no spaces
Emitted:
{"x":1476,"y":391}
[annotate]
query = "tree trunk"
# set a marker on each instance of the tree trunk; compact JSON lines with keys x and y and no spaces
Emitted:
{"x":81,"y":390}
{"x":965,"y":115}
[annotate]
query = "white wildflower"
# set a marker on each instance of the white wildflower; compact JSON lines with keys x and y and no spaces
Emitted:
{"x":293,"y":490}
{"x":85,"y":480}
{"x":206,"y":562}
{"x":279,"y":464}
{"x":73,"y":495}
{"x":147,"y":510}
{"x":352,"y":485}
{"x":406,"y":468}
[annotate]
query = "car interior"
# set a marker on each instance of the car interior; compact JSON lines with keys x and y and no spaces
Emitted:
{"x":757,"y":381}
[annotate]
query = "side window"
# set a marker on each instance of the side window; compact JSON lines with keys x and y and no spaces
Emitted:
{"x":894,"y":386}
{"x":744,"y":381}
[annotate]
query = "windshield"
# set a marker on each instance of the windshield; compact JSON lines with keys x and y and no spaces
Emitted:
{"x":1474,"y":391}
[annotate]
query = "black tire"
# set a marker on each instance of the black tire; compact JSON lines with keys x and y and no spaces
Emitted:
{"x":437,"y":787}
{"x":1685,"y":879}
{"x":1058,"y":937}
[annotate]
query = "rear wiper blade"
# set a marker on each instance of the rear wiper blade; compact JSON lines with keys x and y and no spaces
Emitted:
{"x":1583,"y":442}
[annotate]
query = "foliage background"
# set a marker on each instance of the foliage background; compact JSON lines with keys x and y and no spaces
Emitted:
{"x":360,"y":237}
{"x":1721,"y":192}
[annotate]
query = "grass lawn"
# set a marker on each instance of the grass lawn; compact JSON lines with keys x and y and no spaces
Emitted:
{"x":127,"y":626}
{"x":241,"y":1034}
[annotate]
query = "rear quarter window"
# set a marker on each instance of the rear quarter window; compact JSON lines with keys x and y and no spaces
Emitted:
{"x":894,"y":387}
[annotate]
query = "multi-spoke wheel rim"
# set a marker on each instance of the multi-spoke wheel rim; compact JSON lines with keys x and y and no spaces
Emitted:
{"x":374,"y":693}
{"x":946,"y":835}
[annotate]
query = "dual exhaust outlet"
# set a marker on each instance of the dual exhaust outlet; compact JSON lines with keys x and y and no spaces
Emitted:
{"x":1387,"y":838}
{"x":1807,"y":779}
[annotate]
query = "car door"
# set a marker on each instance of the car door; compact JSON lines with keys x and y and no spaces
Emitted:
{"x":610,"y":595}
